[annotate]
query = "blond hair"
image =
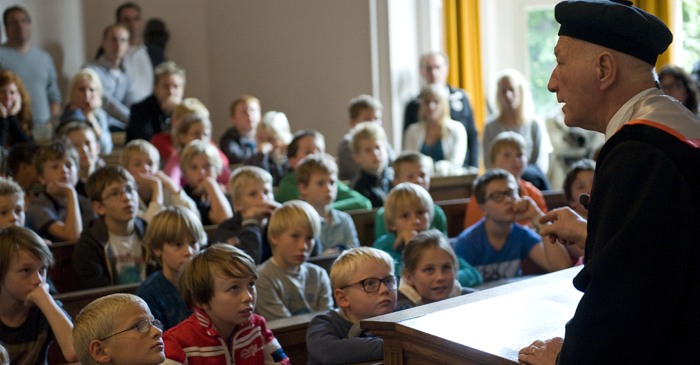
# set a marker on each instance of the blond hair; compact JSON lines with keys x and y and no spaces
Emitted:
{"x":85,"y":74}
{"x":9,"y":187}
{"x":412,"y":157}
{"x":55,"y":150}
{"x":187,"y":122}
{"x":15,"y":239}
{"x":189,"y":106}
{"x":440,"y":92}
{"x":403,"y":196}
{"x":276,"y":125}
{"x":98,"y":320}
{"x":315,"y":163}
{"x":104,"y":177}
{"x":199,"y":147}
{"x":422,"y":242}
{"x":526,"y":109}
{"x":172,"y":224}
{"x":365,"y":131}
{"x":139,"y":146}
{"x":350,"y":261}
{"x":242,"y":99}
{"x":507,"y":139}
{"x":294,"y":213}
{"x":168,"y":68}
{"x":245,"y":175}
{"x":196,"y":281}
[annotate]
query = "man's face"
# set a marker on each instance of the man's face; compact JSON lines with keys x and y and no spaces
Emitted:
{"x":435,"y":70}
{"x":131,"y":18}
{"x":116,"y":43}
{"x":169,"y":87}
{"x":18,"y":27}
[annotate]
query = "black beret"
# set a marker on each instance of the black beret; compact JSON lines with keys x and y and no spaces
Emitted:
{"x":614,"y":24}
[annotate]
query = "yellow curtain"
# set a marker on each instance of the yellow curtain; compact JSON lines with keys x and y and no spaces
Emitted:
{"x":463,"y":48}
{"x":662,"y":9}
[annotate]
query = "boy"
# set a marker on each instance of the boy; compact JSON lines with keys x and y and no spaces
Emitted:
{"x":496,"y":245}
{"x":363,"y":108}
{"x":413,"y":167}
{"x":289,"y":285}
{"x":84,"y":140}
{"x":20,"y":165}
{"x":111,"y":251}
{"x":218,"y":284}
{"x":118,"y":329}
{"x":317,"y":181}
{"x":174,"y":235}
{"x":253,"y":204}
{"x":238,"y":142}
{"x":59,"y":213}
{"x":369,"y":151}
{"x":141,"y":159}
{"x":29,"y":317}
{"x":11,"y":204}
{"x":304,"y":143}
{"x":509,"y":152}
{"x":363,"y":286}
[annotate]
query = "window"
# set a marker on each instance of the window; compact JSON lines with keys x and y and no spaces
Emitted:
{"x":690,"y":52}
{"x":542,"y":37}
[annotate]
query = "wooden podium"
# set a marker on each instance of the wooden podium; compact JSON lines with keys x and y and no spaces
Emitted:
{"x":488,"y":327}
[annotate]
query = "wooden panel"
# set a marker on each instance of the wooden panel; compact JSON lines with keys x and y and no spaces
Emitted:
{"x":74,"y":302}
{"x":364,"y":224}
{"x":291,"y":334}
{"x":455,"y":211}
{"x":451,"y":187}
{"x":62,"y":273}
{"x":555,"y":199}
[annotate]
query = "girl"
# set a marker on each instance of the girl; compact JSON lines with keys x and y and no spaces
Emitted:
{"x":271,"y":138}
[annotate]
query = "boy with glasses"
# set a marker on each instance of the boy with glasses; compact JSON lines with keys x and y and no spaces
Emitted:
{"x":118,"y":329}
{"x":364,"y":286}
{"x":111,"y":251}
{"x":496,"y":245}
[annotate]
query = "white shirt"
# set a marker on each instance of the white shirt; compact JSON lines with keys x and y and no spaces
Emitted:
{"x":625,"y":112}
{"x":130,"y":267}
{"x":138,"y":67}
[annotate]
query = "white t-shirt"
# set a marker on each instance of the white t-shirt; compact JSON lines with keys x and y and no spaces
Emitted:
{"x":130,"y":267}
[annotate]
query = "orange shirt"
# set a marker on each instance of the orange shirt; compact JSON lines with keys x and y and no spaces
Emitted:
{"x":474,"y":215}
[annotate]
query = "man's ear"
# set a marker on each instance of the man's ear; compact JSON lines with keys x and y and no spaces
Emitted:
{"x":606,"y":70}
{"x":99,"y":352}
{"x":341,"y":299}
{"x":98,"y":207}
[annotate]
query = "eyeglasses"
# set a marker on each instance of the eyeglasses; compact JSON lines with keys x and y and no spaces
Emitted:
{"x":128,"y":190}
{"x":372,"y":285}
{"x":143,"y":327}
{"x":499,"y":196}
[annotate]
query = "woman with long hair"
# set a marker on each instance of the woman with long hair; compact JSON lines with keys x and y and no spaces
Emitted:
{"x":677,"y":83}
{"x":15,"y":111}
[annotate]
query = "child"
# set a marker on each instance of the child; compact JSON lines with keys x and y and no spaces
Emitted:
{"x":238,"y":141}
{"x":118,"y":329}
{"x":164,"y":141}
{"x":272,"y":137}
{"x":11,"y":204}
{"x":408,"y":210}
{"x":201,"y":164}
{"x":173,"y":236}
{"x":431,"y":271}
{"x":364,"y":286}
{"x":304,"y":143}
{"x":289,"y":285}
{"x":509,"y":152}
{"x":218,"y":284}
{"x":141,"y":159}
{"x":363,"y":108}
{"x":84,"y":140}
{"x":111,"y":251}
{"x":578,"y":181}
{"x":317,"y":181}
{"x":369,"y":152}
{"x":413,"y":167}
{"x":29,"y":317}
{"x":496,"y":245}
{"x":253,"y":203}
{"x":20,"y":165}
{"x":59,"y":213}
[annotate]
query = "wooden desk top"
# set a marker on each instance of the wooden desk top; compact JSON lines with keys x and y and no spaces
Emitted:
{"x":490,"y":326}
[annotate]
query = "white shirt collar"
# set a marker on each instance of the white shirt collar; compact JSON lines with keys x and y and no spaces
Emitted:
{"x":623,"y":114}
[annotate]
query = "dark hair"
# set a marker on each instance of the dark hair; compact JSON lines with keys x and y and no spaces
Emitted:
{"x":19,"y":154}
{"x":293,"y":147}
{"x":156,"y":33}
{"x":483,"y":181}
{"x":126,"y":5}
{"x":690,"y":87}
{"x":12,"y":8}
{"x":583,"y":165}
{"x":104,"y":177}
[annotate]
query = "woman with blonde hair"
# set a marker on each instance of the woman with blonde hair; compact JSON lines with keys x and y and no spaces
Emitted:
{"x":15,"y":111}
{"x":85,"y":105}
{"x":436,"y":135}
{"x":515,"y":112}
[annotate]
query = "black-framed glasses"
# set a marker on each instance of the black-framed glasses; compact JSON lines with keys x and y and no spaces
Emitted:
{"x":499,"y":196}
{"x":372,"y":285}
{"x":143,"y":327}
{"x":127,"y":189}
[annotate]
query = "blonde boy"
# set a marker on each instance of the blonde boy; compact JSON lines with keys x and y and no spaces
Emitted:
{"x":201,"y":164}
{"x":289,"y":285}
{"x":29,"y":317}
{"x":369,"y":152}
{"x":408,"y":210}
{"x":58,"y":213}
{"x":317,"y":179}
{"x":364,"y":286}
{"x":118,"y":329}
{"x":11,"y":204}
{"x":141,"y":159}
{"x":84,"y":140}
{"x":509,"y":152}
{"x":218,"y":284}
{"x":413,"y":167}
{"x":238,"y":141}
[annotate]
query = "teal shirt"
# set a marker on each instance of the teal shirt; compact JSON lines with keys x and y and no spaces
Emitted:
{"x":347,"y":199}
{"x":439,"y":222}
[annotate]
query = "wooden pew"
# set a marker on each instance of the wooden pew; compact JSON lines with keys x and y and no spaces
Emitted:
{"x":455,"y":210}
{"x":291,"y":334}
{"x":364,"y":224}
{"x":555,"y":199}
{"x":74,"y":302}
{"x":62,"y":273}
{"x":451,"y":187}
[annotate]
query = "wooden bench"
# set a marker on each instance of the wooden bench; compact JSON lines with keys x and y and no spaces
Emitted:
{"x":555,"y":199}
{"x":451,"y":187}
{"x":74,"y":302}
{"x":291,"y":334}
{"x":62,"y":273}
{"x":364,"y":225}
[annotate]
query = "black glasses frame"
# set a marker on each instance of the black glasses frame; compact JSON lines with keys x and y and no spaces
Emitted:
{"x":140,"y":327}
{"x":390,"y":282}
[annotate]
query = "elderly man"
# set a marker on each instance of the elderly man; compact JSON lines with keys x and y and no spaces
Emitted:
{"x":137,"y":63}
{"x":641,"y":281}
{"x":434,"y":67}
{"x":34,"y":66}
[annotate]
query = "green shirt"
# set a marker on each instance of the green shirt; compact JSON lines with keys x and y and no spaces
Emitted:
{"x":347,"y":199}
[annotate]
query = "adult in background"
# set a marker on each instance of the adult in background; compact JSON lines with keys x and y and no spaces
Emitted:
{"x":15,"y":111}
{"x":34,"y":66}
{"x":152,"y":115}
{"x":434,"y":68}
{"x":155,"y":38}
{"x":137,"y":62}
{"x":116,"y":94}
{"x":641,"y":280}
{"x":677,"y":83}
